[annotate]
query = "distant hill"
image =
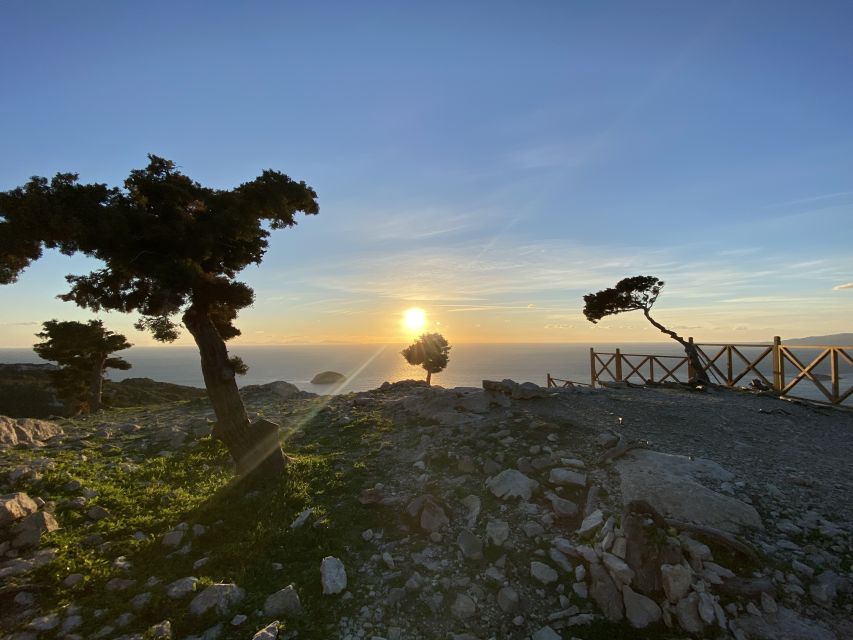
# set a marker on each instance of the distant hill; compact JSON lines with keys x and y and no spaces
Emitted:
{"x":26,"y":392}
{"x":833,"y":340}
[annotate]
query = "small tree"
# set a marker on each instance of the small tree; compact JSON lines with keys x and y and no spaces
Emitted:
{"x":431,"y":351}
{"x":82,"y":352}
{"x":170,"y":247}
{"x":639,"y":294}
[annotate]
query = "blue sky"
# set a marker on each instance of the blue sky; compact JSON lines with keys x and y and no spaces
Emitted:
{"x":490,"y":162}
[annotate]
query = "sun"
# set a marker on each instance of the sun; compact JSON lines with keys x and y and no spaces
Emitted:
{"x":414,"y":319}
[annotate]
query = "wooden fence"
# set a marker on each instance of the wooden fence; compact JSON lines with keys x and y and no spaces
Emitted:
{"x":775,"y":366}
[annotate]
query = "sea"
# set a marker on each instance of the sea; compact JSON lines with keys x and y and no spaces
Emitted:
{"x":368,"y":366}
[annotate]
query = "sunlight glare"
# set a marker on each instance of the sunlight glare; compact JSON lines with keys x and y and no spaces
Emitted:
{"x":414,"y":319}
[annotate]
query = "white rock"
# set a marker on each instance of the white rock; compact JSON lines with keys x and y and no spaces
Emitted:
{"x":269,"y":632}
{"x":618,"y":568}
{"x":497,"y":532}
{"x":463,"y":607}
{"x":181,"y":588}
{"x":542,"y":572}
{"x":591,"y":523}
{"x":511,"y":483}
{"x":44,"y":623}
{"x":216,"y":597}
{"x":567,"y":477}
{"x":283,"y":603}
{"x":676,"y":580}
{"x":546,"y":633}
{"x":302,"y":518}
{"x":333,"y":575}
{"x":640,"y":610}
{"x":508,"y":599}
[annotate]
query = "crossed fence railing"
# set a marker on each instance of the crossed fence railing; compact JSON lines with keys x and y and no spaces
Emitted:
{"x":728,"y":365}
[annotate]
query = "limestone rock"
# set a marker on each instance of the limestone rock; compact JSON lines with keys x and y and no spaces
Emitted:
{"x":567,"y":478}
{"x":618,"y":568}
{"x":463,"y":607}
{"x":26,"y":431}
{"x":283,"y":603}
{"x":640,"y":610}
{"x":508,"y":600}
{"x":591,"y":524}
{"x":497,"y":532}
{"x":687,"y":614}
{"x":14,"y":506}
{"x":216,"y":597}
{"x":470,"y":545}
{"x":27,"y":532}
{"x":269,"y":632}
{"x":511,"y":483}
{"x":546,"y":633}
{"x":676,"y":579}
{"x":328,"y":377}
{"x":333,"y":575}
{"x":669,"y":484}
{"x":181,"y":587}
{"x":563,"y":508}
{"x":542,"y":572}
{"x":605,"y":593}
{"x":786,"y":624}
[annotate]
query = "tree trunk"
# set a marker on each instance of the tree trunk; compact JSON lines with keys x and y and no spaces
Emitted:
{"x":429,"y":376}
{"x":96,"y":386}
{"x":255,"y":448}
{"x":699,"y":373}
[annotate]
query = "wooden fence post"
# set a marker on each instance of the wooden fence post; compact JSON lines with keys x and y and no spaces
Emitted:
{"x":833,"y":370}
{"x":618,"y":365}
{"x":691,"y":374}
{"x":778,"y":373}
{"x":592,"y":367}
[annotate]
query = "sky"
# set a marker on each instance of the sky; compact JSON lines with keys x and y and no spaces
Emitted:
{"x":487,"y":162}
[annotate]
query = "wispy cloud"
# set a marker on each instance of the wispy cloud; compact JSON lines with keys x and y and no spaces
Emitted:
{"x":842,"y":287}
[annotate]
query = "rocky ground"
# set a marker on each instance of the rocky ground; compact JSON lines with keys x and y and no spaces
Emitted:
{"x":418,"y":512}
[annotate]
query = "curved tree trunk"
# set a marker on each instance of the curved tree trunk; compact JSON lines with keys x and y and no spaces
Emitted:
{"x":699,"y":373}
{"x":96,"y":386}
{"x":255,"y":448}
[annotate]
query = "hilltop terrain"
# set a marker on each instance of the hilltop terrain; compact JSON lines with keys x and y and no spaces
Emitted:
{"x":26,"y":392}
{"x":510,"y":511}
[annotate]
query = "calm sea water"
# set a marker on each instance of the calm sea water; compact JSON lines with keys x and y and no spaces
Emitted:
{"x":368,"y":366}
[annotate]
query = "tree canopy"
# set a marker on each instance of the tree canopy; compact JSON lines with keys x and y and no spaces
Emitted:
{"x":166,"y":241}
{"x":170,"y":247}
{"x":82,"y":351}
{"x":629,"y":294}
{"x":639,"y":293}
{"x":431,"y":351}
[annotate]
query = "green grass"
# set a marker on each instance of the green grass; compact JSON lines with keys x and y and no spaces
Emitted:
{"x":248,"y":525}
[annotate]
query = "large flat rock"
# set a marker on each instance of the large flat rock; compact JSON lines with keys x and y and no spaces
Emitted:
{"x":671,"y":484}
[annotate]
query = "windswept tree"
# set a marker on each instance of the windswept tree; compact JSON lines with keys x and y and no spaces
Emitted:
{"x":639,"y":294}
{"x":171,"y":248}
{"x":431,"y":351}
{"x":82,"y":351}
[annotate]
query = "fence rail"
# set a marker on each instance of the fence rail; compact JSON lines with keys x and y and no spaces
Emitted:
{"x":774,"y":365}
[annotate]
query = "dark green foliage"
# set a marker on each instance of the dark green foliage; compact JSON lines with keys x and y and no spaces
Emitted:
{"x":639,"y":294}
{"x":170,"y":247}
{"x":166,"y":240}
{"x":82,"y":351}
{"x":629,"y":294}
{"x":431,"y":351}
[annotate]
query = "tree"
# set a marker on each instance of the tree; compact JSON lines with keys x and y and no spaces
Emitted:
{"x":82,"y":352}
{"x":431,"y":351}
{"x":170,"y":247}
{"x":639,"y":294}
